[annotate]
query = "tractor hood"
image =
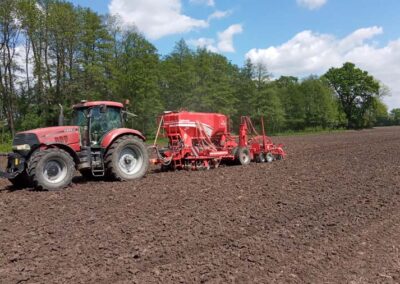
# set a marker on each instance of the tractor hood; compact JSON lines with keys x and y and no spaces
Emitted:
{"x":68,"y":135}
{"x":48,"y":131}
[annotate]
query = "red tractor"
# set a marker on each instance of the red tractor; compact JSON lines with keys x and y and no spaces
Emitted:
{"x":97,"y":145}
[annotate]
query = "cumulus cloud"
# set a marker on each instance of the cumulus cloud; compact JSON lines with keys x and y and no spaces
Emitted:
{"x":312,"y":53}
{"x":224,"y":43}
{"x":156,"y":18}
{"x":312,"y":4}
{"x":225,"y":38}
{"x":205,"y":2}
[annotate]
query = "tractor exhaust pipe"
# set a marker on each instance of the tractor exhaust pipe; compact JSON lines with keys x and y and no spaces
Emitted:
{"x":61,"y":116}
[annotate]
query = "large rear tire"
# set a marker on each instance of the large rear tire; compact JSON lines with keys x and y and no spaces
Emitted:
{"x":51,"y":169}
{"x":127,"y":159}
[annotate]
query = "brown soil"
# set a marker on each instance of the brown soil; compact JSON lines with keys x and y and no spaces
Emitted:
{"x":329,"y":213}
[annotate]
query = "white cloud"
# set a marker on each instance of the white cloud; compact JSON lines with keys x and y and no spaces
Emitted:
{"x":207,"y":43}
{"x":219,"y":15}
{"x":155,"y":18}
{"x":312,"y":4}
{"x":312,"y":53}
{"x":204,"y":2}
{"x":225,"y":40}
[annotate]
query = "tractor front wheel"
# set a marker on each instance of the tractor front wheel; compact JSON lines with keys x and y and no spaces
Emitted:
{"x":51,"y":169}
{"x":127,"y":159}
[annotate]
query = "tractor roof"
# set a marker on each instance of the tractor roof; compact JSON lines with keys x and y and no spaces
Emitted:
{"x":85,"y":104}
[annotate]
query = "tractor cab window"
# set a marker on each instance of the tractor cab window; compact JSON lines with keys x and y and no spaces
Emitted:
{"x":80,"y":118}
{"x":102,"y":121}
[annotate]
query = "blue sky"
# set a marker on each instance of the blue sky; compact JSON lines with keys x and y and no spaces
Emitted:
{"x":291,"y":37}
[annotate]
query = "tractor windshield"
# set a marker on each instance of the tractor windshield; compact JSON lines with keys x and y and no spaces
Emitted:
{"x":103,"y":122}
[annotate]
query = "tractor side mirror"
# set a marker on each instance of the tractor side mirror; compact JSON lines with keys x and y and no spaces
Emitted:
{"x":124,"y":116}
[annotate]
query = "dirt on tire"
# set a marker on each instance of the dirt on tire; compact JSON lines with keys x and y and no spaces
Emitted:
{"x":329,"y":213}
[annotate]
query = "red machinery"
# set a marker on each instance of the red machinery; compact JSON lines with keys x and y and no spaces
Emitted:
{"x":97,"y":144}
{"x":201,"y":140}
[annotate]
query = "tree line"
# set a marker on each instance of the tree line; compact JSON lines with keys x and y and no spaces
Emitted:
{"x":54,"y":53}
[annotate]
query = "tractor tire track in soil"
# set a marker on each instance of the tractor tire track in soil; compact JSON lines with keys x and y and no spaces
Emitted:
{"x":329,"y":213}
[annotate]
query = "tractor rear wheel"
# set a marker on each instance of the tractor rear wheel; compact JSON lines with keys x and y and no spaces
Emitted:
{"x":243,"y":155}
{"x":51,"y":169}
{"x":127,"y":159}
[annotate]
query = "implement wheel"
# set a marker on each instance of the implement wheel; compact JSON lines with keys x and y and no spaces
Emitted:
{"x":269,"y":157}
{"x":243,"y":156}
{"x":127,"y":159}
{"x":51,"y":169}
{"x":260,"y":158}
{"x":216,"y":163}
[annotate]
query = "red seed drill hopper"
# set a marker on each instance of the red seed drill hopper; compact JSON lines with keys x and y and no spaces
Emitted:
{"x":199,"y":141}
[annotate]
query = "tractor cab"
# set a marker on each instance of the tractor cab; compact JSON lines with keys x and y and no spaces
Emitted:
{"x":96,"y":119}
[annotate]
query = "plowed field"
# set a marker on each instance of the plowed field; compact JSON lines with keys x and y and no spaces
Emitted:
{"x":329,"y":213}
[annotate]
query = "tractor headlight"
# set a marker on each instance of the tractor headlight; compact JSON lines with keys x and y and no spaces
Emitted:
{"x":23,"y":147}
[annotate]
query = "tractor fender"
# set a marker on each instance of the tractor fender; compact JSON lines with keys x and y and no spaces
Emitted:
{"x":110,"y":137}
{"x":64,"y":147}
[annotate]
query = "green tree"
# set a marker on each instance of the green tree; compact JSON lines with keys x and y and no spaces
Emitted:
{"x":356,"y":90}
{"x":94,"y":55}
{"x":138,"y":80}
{"x":245,"y":90}
{"x":321,"y":109}
{"x":63,"y":41}
{"x":266,"y":103}
{"x":9,"y":34}
{"x":395,"y":116}
{"x":178,"y":77}
{"x":213,"y":89}
{"x":377,"y":115}
{"x":293,"y":102}
{"x":261,"y":76}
